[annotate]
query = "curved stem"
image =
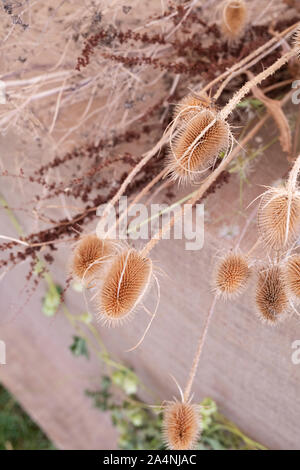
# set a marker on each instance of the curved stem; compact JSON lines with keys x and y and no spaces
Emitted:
{"x":193,"y":371}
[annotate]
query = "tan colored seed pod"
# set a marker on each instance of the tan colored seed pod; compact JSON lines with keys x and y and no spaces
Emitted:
{"x":124,"y":285}
{"x":181,"y":425}
{"x":297,"y":41}
{"x":191,"y":105}
{"x":190,"y":154}
{"x":231,"y":275}
{"x":271,"y":295}
{"x":89,"y":255}
{"x":279,"y":217}
{"x":292,"y":275}
{"x":234,"y":19}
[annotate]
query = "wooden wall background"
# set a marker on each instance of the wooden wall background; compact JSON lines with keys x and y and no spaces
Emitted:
{"x":246,"y":366}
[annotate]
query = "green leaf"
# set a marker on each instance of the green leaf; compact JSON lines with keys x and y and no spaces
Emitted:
{"x":52,"y":300}
{"x":79,"y":347}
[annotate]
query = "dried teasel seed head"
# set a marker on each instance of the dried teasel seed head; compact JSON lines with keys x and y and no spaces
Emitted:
{"x":181,"y":425}
{"x":189,"y":156}
{"x":292,"y":275}
{"x":190,"y":105}
{"x":279,"y":217}
{"x":231,"y":275}
{"x":297,"y":41}
{"x":271,"y":295}
{"x":89,"y":255}
{"x":124,"y":285}
{"x":234,"y":19}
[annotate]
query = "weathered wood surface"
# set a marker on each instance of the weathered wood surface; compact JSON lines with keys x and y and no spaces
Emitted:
{"x":246,"y":366}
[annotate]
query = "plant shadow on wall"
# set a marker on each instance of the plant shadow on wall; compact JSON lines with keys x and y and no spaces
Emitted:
{"x":196,"y":144}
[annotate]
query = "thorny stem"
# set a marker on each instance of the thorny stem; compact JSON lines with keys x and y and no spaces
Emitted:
{"x":242,"y":92}
{"x":292,"y":181}
{"x":193,"y":371}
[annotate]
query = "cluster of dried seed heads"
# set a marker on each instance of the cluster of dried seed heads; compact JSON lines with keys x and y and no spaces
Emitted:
{"x":181,"y":425}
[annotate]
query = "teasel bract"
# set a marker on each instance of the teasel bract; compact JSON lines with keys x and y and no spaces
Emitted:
{"x":125,"y":283}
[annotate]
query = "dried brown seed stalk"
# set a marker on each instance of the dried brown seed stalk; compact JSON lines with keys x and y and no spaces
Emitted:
{"x":124,"y":285}
{"x":181,"y":425}
{"x":271,"y":295}
{"x":231,"y":275}
{"x":234,"y":19}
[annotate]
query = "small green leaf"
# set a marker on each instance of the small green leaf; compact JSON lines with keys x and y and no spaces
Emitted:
{"x":52,"y":300}
{"x":79,"y":347}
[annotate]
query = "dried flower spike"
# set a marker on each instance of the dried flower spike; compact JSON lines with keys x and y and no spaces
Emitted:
{"x":234,"y":19}
{"x":181,"y":425}
{"x":271,"y":295}
{"x":231,"y":275}
{"x":89,"y":255}
{"x":279,"y":217}
{"x":125,"y":284}
{"x":292,"y":275}
{"x":199,"y":142}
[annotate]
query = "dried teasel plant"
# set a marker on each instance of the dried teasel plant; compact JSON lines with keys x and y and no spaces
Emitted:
{"x":125,"y":283}
{"x":231,"y":274}
{"x":191,"y":104}
{"x":234,"y":19}
{"x":181,"y":425}
{"x":292,"y":275}
{"x":272,"y":300}
{"x":279,"y":213}
{"x":197,"y":144}
{"x":89,"y":257}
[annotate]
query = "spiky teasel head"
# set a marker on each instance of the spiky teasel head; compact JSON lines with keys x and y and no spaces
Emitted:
{"x":198,"y":143}
{"x":124,"y":285}
{"x":190,"y":105}
{"x":271,"y":298}
{"x":292,"y":275}
{"x":297,"y":41}
{"x":181,"y":425}
{"x":279,"y":217}
{"x":234,"y":19}
{"x":231,"y":275}
{"x":89,"y":255}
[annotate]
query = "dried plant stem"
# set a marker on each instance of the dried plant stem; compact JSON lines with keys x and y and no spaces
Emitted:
{"x":193,"y":371}
{"x":251,"y":56}
{"x":138,"y":197}
{"x":256,"y":244}
{"x":147,"y":156}
{"x":237,"y":97}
